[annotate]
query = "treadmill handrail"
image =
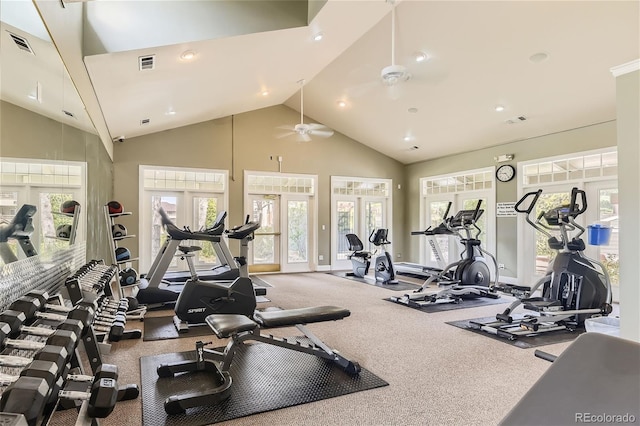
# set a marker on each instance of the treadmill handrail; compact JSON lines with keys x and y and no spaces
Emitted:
{"x":183,"y":234}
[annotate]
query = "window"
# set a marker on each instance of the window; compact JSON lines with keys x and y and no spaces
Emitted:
{"x":46,"y":185}
{"x":191,"y":197}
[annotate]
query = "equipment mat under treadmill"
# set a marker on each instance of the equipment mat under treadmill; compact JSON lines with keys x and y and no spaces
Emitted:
{"x":265,"y":378}
{"x":400,"y":286}
{"x":462,"y":304}
{"x":524,"y":342}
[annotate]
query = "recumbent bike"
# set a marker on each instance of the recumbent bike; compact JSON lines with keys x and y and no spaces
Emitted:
{"x":574,"y":287}
{"x":384,"y":270}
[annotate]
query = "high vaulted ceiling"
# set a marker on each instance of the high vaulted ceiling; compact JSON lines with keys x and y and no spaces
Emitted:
{"x":547,"y":63}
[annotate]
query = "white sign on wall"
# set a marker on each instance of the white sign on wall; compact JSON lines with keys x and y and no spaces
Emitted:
{"x":506,"y":209}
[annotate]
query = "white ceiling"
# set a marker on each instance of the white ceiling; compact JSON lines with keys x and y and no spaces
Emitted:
{"x":479,"y":58}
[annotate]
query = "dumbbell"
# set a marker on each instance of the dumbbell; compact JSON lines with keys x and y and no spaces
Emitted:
{"x":76,"y":320}
{"x":103,"y":390}
{"x":67,"y":339}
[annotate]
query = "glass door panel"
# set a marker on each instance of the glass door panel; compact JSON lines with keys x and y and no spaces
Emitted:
{"x":205,"y":210}
{"x":542,"y":252}
{"x":374,"y":218}
{"x":438,"y":254}
{"x":297,"y":231}
{"x":608,"y":216}
{"x":346,"y":217}
{"x":265,"y":251}
{"x":170,"y":204}
{"x":48,"y":206}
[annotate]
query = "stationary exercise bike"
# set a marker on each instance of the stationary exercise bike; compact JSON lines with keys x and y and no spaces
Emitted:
{"x":359,"y":257}
{"x":469,"y":277}
{"x":574,"y":288}
{"x":384,"y":270}
{"x":198,"y":298}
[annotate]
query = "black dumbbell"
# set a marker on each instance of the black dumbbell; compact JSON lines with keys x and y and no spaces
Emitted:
{"x":102,"y":393}
{"x":27,"y":396}
{"x":66,"y":339}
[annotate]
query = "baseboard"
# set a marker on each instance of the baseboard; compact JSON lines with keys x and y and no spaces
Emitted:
{"x":323,"y":268}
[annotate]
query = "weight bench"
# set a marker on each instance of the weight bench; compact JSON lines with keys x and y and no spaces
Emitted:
{"x":240,"y":329}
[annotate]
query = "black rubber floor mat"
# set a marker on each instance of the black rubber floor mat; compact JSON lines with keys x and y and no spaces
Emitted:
{"x":265,"y":378}
{"x":160,"y":328}
{"x":524,"y":342}
{"x":400,"y":286}
{"x":463,"y":304}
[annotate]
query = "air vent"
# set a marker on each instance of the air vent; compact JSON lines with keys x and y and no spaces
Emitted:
{"x":22,"y":43}
{"x":518,"y":119}
{"x":147,"y":62}
{"x":413,"y":148}
{"x":69,"y":114}
{"x":145,"y":121}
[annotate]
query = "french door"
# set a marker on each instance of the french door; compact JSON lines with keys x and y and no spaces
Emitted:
{"x":445,"y":249}
{"x":602,"y":209}
{"x":284,"y":242}
{"x":360,"y":216}
{"x":192,"y":209}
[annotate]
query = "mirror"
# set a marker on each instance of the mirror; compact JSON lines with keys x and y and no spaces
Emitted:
{"x":49,"y":150}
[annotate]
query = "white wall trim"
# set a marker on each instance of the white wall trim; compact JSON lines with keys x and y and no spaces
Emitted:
{"x":323,"y":268}
{"x":622,"y":69}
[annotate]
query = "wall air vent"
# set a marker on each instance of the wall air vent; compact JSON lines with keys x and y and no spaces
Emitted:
{"x":21,"y":42}
{"x":145,"y":121}
{"x":518,"y":119}
{"x":147,"y":62}
{"x":68,"y":114}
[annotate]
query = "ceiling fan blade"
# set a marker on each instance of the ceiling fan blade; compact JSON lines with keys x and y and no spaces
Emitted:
{"x":322,"y":133}
{"x":286,"y":127}
{"x":285,"y":135}
{"x":303,"y":137}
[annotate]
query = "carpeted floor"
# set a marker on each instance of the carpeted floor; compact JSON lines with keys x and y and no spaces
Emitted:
{"x":437,"y":374}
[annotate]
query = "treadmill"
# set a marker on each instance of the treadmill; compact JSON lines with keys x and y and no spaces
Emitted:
{"x":227,"y":270}
{"x":20,"y":229}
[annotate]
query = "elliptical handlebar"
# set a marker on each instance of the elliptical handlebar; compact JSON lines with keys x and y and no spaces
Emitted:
{"x":575,"y":210}
{"x":529,"y":209}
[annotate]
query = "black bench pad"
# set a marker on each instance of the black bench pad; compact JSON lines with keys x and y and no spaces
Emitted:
{"x":225,"y":325}
{"x":289,"y":317}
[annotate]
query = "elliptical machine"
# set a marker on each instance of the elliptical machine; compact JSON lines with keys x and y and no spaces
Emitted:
{"x":574,"y":288}
{"x":384,"y":270}
{"x":199,"y":299}
{"x":469,"y":277}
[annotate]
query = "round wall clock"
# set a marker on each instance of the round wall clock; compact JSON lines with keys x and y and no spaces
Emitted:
{"x":505,"y":173}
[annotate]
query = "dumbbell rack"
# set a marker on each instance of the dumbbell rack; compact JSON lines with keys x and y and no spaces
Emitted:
{"x":114,"y":242}
{"x":75,"y":218}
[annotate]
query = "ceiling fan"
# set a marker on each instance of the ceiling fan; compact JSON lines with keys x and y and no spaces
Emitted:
{"x":304,"y":131}
{"x":393,"y":74}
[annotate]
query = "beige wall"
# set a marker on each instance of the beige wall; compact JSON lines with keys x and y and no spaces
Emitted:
{"x":583,"y":139}
{"x":24,"y":134}
{"x":628,"y":106}
{"x":251,"y":147}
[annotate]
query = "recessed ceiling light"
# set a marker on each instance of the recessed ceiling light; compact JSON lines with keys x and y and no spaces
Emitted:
{"x":265,"y":93}
{"x":536,"y":58}
{"x":412,"y":110}
{"x":342,"y":103}
{"x":407,"y":138}
{"x":170,"y":112}
{"x":188,"y":55}
{"x":420,"y":56}
{"x":499,"y":108}
{"x":318,"y":36}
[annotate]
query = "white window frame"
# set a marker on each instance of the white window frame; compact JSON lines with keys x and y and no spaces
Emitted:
{"x":185,"y":193}
{"x":359,"y":197}
{"x":34,"y":181}
{"x":487,"y":192}
{"x":525,"y":246}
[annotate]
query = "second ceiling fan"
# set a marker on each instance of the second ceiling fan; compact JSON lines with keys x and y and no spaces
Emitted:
{"x":305,"y":131}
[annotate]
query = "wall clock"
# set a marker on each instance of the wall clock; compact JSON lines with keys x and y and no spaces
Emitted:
{"x":505,"y":173}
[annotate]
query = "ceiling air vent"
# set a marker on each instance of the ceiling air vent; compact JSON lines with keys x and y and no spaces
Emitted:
{"x":21,"y":42}
{"x":518,"y":119}
{"x":145,"y":121}
{"x":69,"y":114}
{"x":413,"y":148}
{"x":146,"y":62}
